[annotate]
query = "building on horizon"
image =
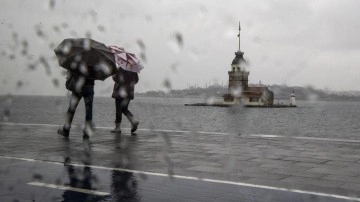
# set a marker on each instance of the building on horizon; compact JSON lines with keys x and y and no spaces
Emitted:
{"x":239,"y":91}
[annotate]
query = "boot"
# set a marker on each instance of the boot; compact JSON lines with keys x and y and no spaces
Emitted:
{"x":134,"y":125}
{"x":64,"y":132}
{"x":117,"y":128}
{"x":88,"y":130}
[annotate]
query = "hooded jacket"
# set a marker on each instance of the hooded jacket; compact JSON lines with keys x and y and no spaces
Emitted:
{"x":124,"y":85}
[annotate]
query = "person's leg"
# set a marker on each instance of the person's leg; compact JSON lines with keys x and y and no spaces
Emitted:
{"x":74,"y":101}
{"x":129,"y":115}
{"x":118,"y":116}
{"x":88,"y":100}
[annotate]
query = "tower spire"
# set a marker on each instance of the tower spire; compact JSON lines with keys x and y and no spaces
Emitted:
{"x":239,"y":35}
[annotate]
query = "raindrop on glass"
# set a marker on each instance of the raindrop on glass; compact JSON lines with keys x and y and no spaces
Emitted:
{"x":141,"y":44}
{"x":83,"y":69}
{"x":52,"y":4}
{"x":55,"y":82}
{"x":64,"y":25}
{"x":87,"y":44}
{"x":167,"y":84}
{"x":143,"y":56}
{"x":19,"y":84}
{"x":45,"y":63}
{"x":101,"y":28}
{"x":56,"y":29}
{"x":88,"y":34}
{"x":31,"y":67}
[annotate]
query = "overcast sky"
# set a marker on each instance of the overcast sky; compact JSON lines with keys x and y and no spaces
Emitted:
{"x":313,"y":42}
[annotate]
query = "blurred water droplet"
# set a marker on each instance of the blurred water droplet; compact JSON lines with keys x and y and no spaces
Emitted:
{"x":39,"y":32}
{"x":31,"y":67}
{"x":176,"y":42}
{"x":257,"y":39}
{"x":58,"y":104}
{"x":58,"y":181}
{"x":45,"y":63}
{"x":148,"y":18}
{"x":79,"y":84}
{"x":87,"y":44}
{"x":312,"y":97}
{"x":24,"y":52}
{"x":174,"y":67}
{"x":55,"y":82}
{"x":167,"y":84}
{"x":15,"y":37}
{"x":51,"y":45}
{"x":194,"y":54}
{"x":12,"y":57}
{"x":78,"y":58}
{"x":83,"y":69}
{"x":52,"y":4}
{"x":101,"y":28}
{"x":210,"y":100}
{"x":64,"y":25}
{"x":56,"y":29}
{"x":7,"y":114}
{"x":179,"y":39}
{"x":19,"y":84}
{"x":64,"y":72}
{"x":143,"y":176}
{"x":141,"y":44}
{"x":143,"y":56}
{"x":66,"y":48}
{"x":236,"y":91}
{"x":103,"y":67}
{"x":74,"y":34}
{"x":88,"y":34}
{"x":93,"y":15}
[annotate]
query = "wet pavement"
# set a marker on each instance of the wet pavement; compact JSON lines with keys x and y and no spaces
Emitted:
{"x":163,"y":165}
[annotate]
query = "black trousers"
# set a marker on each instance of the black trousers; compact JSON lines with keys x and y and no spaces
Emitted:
{"x":88,"y":94}
{"x":121,"y":105}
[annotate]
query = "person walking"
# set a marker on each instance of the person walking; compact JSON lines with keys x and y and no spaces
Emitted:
{"x":80,"y":87}
{"x":123,"y":93}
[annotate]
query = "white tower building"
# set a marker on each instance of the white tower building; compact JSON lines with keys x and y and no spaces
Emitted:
{"x":292,"y":99}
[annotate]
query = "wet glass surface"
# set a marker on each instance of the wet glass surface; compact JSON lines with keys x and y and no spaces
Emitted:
{"x":276,"y":121}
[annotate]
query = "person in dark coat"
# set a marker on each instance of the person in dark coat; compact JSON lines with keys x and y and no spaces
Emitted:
{"x":80,"y":87}
{"x":123,"y":93}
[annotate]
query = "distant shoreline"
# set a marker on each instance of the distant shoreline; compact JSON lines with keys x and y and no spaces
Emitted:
{"x":281,"y":100}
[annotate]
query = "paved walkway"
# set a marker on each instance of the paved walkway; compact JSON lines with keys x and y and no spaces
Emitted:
{"x":319,"y":167}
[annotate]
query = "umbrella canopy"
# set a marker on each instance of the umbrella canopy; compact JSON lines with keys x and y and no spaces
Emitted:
{"x":86,"y":57}
{"x":125,"y":60}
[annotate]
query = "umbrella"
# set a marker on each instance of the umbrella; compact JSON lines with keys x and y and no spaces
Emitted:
{"x":125,"y":60}
{"x":86,"y":57}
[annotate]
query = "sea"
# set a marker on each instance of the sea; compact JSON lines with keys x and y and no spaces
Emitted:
{"x":324,"y":119}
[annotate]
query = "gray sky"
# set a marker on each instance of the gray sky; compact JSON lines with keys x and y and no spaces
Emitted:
{"x":308,"y":42}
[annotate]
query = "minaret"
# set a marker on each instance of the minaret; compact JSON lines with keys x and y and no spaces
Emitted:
{"x":238,"y":76}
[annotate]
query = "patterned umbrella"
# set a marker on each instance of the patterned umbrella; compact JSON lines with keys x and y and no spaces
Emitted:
{"x":125,"y":60}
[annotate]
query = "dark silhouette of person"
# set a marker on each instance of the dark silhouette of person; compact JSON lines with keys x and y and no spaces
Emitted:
{"x":123,"y":93}
{"x":80,"y":87}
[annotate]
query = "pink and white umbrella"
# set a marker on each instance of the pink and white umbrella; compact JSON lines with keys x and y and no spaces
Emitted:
{"x":125,"y":60}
